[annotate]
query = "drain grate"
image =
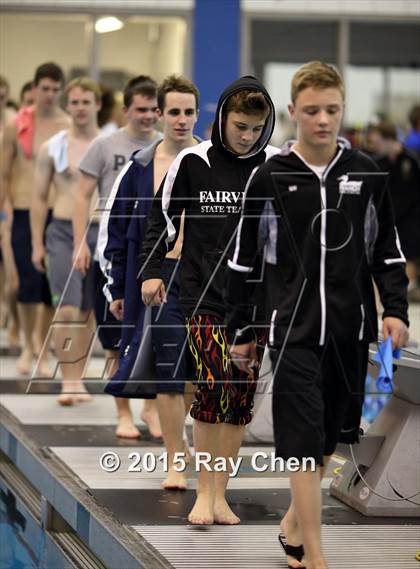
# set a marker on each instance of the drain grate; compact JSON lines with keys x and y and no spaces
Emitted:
{"x":252,"y":546}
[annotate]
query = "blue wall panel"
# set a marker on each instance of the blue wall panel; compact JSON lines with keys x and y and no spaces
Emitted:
{"x":216,"y":52}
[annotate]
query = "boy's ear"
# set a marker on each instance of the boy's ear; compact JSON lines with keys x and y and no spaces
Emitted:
{"x":291,"y":109}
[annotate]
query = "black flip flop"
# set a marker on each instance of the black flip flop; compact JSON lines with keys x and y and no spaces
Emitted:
{"x":295,"y":551}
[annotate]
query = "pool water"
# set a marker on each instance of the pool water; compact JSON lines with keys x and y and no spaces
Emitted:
{"x":16,"y":552}
{"x":24,"y":544}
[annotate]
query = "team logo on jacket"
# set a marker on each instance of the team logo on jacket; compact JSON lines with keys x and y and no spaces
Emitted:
{"x":349,"y":187}
{"x":220,"y":201}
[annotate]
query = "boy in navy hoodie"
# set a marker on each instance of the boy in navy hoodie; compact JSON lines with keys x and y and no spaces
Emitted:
{"x":121,"y":235}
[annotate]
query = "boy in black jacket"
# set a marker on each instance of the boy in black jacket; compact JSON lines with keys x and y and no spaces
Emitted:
{"x":207,"y":183}
{"x":331,"y":229}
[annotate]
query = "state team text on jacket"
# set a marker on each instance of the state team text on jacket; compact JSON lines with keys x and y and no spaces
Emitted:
{"x":206,"y":181}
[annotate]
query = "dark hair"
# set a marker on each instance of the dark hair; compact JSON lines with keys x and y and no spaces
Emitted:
{"x":387,"y":130}
{"x":28,"y":86}
{"x":177,"y":84}
{"x":414,"y":117}
{"x":107,"y":106}
{"x":247,"y":102}
{"x":49,"y":70}
{"x":140,"y":85}
{"x":11,"y":104}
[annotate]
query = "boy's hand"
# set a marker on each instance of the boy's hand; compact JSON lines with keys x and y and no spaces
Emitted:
{"x":117,"y":308}
{"x":38,"y":258}
{"x":244,"y":356}
{"x":82,"y":258}
{"x":153,"y":292}
{"x":398,"y":331}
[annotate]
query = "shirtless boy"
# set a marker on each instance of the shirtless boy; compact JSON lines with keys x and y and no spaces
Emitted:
{"x":72,"y":294}
{"x":8,"y":273}
{"x":22,"y":140}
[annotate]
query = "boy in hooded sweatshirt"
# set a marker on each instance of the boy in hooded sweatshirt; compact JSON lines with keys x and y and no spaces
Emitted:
{"x":120,"y":239}
{"x":331,"y":231}
{"x":206,"y":183}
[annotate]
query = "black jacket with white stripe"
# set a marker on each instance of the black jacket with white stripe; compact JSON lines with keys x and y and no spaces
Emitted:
{"x":206,"y":182}
{"x":325,"y":238}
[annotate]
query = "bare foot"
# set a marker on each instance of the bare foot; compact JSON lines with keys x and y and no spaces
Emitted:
{"x":83,"y":397}
{"x":80,"y":392}
{"x":151,"y":418}
{"x":223,"y":513}
{"x":187,"y":452}
{"x":24,"y":363}
{"x":175,"y":480}
{"x":126,"y":429}
{"x":290,"y":530}
{"x":202,"y":512}
{"x":65,"y":399}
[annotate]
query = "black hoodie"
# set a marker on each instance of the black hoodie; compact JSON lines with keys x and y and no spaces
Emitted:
{"x":206,"y":182}
{"x":326,"y":239}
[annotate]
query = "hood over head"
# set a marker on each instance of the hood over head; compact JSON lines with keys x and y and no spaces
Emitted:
{"x":246,"y":83}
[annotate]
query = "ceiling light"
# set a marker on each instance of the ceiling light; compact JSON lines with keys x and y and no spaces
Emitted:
{"x":108,"y":24}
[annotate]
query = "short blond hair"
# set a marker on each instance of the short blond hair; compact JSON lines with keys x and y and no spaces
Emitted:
{"x":318,"y":75}
{"x":86,"y":84}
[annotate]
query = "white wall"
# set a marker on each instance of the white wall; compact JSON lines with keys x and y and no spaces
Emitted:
{"x":170,"y":50}
{"x":30,"y":39}
{"x":134,"y":5}
{"x":155,"y":49}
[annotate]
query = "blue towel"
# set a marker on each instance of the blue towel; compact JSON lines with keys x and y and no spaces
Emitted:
{"x":374,"y":402}
{"x":384,"y":356}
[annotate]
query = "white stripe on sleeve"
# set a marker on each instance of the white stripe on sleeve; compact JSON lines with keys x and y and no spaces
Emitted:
{"x":106,"y":264}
